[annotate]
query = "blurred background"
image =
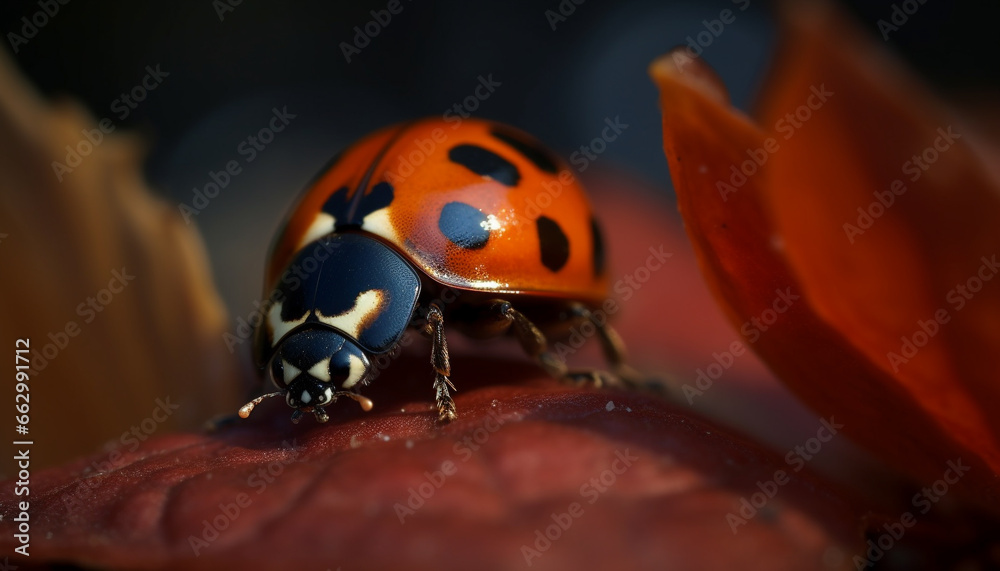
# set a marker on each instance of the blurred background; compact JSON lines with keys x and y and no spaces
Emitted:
{"x":559,"y":69}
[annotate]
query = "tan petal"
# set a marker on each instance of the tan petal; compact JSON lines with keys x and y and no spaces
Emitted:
{"x":105,"y":280}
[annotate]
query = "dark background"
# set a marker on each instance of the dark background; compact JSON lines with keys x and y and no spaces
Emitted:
{"x":226,"y":76}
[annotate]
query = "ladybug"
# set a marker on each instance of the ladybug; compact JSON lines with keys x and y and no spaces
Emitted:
{"x":475,"y":212}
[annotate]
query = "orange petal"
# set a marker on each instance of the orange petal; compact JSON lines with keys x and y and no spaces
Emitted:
{"x":766,"y":204}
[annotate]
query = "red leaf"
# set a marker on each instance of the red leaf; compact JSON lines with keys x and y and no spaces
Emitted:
{"x":266,"y":494}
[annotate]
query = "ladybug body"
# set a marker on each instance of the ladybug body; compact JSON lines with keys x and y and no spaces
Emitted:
{"x":417,"y":225}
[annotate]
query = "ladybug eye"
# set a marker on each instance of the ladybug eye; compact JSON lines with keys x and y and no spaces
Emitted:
{"x":277,"y":371}
{"x":348,"y":367}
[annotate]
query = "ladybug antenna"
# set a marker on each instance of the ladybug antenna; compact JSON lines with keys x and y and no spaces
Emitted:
{"x":246,"y":409}
{"x":366,"y":403}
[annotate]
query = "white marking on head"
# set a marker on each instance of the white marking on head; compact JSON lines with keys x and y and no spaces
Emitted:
{"x":305,"y":398}
{"x":366,"y":308}
{"x":321,"y":370}
{"x":291,"y":371}
{"x":357,"y":371}
{"x":378,"y":223}
{"x":328,"y":394}
{"x":321,"y":226}
{"x":279,"y":327}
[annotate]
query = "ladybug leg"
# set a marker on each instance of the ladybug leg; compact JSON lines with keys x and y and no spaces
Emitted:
{"x":441,"y":364}
{"x":503,"y":316}
{"x":611,"y":344}
{"x":320,"y":414}
{"x":535,"y":344}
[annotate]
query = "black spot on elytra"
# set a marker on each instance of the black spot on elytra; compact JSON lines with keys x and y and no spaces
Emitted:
{"x":353,"y":212}
{"x":554,"y":243}
{"x":485,"y":163}
{"x":464,"y":225}
{"x":538,"y":155}
{"x":337,"y":205}
{"x":380,"y":197}
{"x":598,"y":239}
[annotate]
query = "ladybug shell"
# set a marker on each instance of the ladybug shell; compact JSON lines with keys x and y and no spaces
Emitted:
{"x":473,"y":204}
{"x":355,"y":285}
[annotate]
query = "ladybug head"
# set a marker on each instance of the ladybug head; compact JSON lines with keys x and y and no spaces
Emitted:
{"x":312,"y":367}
